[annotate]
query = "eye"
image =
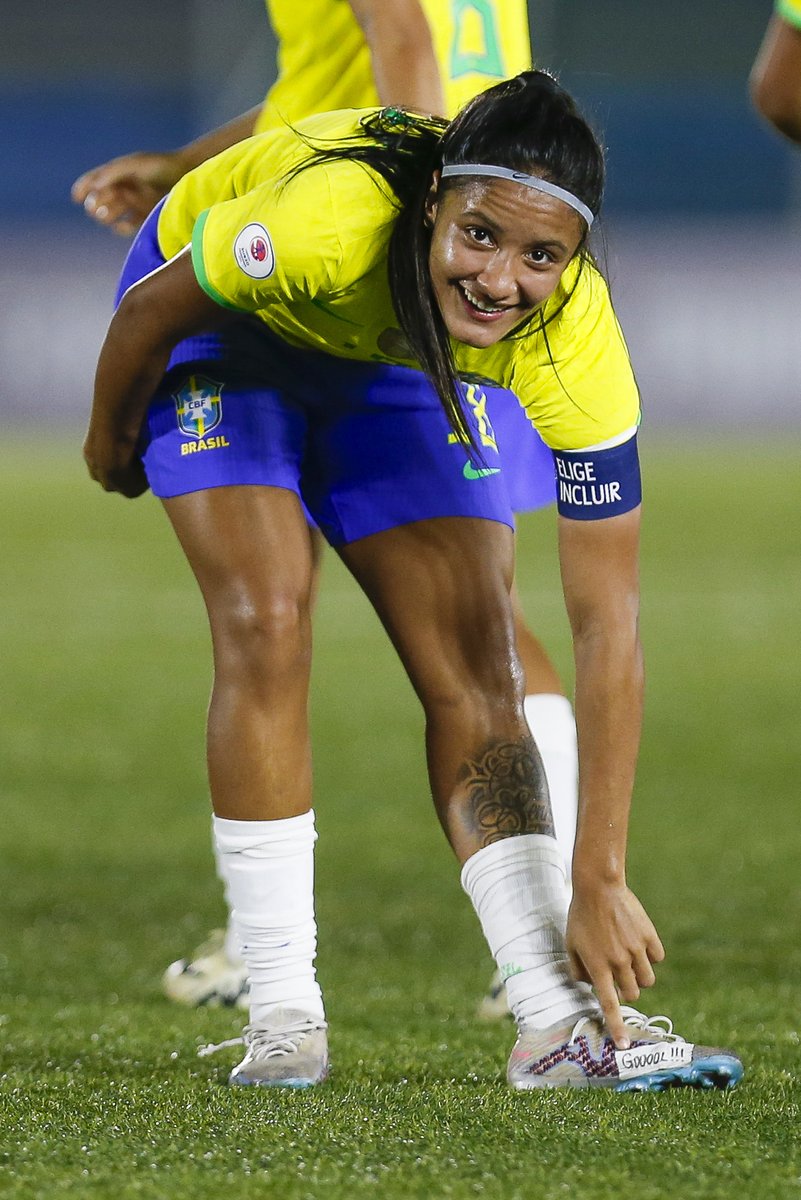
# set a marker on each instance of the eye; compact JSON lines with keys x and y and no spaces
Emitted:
{"x":480,"y":236}
{"x":540,"y":258}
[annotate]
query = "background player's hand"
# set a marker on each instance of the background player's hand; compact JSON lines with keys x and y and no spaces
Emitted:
{"x":114,"y":464}
{"x":612,"y":945}
{"x":121,"y":193}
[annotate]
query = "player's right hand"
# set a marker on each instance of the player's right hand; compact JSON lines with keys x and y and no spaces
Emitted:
{"x":114,"y":465}
{"x":121,"y":193}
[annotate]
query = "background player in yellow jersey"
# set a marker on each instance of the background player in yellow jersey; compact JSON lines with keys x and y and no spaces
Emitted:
{"x":776,"y":75}
{"x":432,"y":55}
{"x":260,"y":366}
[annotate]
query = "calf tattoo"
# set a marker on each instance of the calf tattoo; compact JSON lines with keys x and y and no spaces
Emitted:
{"x":506,"y":792}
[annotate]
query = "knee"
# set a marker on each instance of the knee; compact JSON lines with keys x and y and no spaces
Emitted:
{"x":264,"y":635}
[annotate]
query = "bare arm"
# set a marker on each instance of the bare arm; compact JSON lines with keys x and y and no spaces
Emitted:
{"x":152,"y":318}
{"x":405,"y":68}
{"x":775,"y":81}
{"x":611,"y":940}
{"x":121,"y":193}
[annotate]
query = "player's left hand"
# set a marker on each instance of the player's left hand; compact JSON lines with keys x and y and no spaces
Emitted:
{"x":612,"y":944}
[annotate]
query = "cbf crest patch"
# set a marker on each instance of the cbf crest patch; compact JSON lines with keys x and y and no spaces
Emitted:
{"x":199,"y":405}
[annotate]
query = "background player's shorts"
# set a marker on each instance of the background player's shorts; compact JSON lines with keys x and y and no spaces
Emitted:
{"x":366,"y":446}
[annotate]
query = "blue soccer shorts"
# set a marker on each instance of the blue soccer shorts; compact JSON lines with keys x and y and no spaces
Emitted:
{"x":366,"y":446}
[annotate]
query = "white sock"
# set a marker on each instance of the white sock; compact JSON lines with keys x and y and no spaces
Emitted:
{"x":231,"y":946}
{"x":518,"y":890}
{"x":268,"y":868}
{"x":553,"y":726}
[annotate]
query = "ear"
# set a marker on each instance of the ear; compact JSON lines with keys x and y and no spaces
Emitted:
{"x":432,"y":201}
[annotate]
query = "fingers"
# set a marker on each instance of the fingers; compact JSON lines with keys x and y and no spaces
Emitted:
{"x":656,"y":951}
{"x":643,"y":971}
{"x":577,"y":968}
{"x":606,"y":992}
{"x":604,"y":984}
{"x":119,"y":208}
{"x":82,"y":186}
{"x":130,"y":481}
{"x":117,"y":196}
{"x":106,"y":176}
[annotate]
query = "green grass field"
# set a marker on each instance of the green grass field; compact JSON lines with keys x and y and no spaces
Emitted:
{"x":106,"y":873}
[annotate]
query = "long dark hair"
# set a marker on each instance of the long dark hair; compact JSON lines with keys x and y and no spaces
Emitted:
{"x":528,"y":123}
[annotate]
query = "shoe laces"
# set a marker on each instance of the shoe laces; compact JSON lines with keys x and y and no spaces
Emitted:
{"x":659,"y":1025}
{"x":268,"y":1041}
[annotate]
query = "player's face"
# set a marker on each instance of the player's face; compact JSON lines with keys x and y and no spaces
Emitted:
{"x":498,"y":250}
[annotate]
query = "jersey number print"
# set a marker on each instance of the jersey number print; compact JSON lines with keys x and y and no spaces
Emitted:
{"x":476,"y":45}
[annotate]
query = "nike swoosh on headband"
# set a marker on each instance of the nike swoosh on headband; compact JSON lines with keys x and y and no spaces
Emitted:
{"x":532,"y":181}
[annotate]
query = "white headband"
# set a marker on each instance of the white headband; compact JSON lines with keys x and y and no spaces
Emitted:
{"x":532,"y":181}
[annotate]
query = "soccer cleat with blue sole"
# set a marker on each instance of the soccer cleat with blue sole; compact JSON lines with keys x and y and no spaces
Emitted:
{"x":289,"y":1049}
{"x":586,"y":1057}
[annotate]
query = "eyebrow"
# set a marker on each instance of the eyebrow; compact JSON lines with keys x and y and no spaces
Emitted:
{"x":539,"y":244}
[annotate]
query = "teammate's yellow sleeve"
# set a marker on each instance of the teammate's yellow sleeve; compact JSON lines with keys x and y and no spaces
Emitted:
{"x":790,"y":10}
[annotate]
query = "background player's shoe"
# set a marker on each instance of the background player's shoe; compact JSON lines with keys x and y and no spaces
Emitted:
{"x":289,"y":1049}
{"x":587,"y":1057}
{"x":211,"y":977}
{"x":493,"y":1006}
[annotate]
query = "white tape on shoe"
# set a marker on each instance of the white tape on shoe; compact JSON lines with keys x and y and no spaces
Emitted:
{"x":639,"y":1060}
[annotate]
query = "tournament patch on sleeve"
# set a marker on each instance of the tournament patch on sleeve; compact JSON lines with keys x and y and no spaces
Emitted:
{"x":598,"y":483}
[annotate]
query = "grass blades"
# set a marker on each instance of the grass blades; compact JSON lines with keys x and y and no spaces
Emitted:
{"x":107,"y":873}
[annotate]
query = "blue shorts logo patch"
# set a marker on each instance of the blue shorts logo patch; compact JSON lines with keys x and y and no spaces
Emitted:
{"x":199,"y":405}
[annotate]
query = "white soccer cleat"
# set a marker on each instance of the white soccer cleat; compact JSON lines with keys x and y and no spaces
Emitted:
{"x":586,"y":1056}
{"x":210,"y":978}
{"x":288,"y":1049}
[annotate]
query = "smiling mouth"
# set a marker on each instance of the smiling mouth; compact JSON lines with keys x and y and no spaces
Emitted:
{"x":481,"y":310}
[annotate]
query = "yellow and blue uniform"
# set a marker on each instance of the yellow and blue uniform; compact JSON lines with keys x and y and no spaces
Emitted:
{"x":477,"y":43}
{"x":323,"y":284}
{"x":304,"y":261}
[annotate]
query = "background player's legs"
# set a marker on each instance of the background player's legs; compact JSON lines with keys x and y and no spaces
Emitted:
{"x":550,"y":717}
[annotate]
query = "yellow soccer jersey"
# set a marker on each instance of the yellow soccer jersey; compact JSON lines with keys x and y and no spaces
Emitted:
{"x":790,"y":10}
{"x":324,"y":62}
{"x":477,"y":43}
{"x":308,"y":257}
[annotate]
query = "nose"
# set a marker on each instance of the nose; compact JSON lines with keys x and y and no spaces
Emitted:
{"x":498,"y":279}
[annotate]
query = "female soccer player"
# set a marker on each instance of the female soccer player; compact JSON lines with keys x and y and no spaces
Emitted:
{"x":433,"y":56}
{"x":274,"y":361}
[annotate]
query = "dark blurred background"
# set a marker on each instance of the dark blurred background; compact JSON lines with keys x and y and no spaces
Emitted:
{"x":702,"y":225}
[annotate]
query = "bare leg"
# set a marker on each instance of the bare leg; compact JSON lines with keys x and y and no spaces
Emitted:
{"x":441,"y":587}
{"x":250,"y":551}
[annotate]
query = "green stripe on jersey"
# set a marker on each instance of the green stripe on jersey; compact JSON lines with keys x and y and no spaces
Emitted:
{"x":200,"y":266}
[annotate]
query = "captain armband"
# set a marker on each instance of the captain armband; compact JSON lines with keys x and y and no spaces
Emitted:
{"x":598,"y":483}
